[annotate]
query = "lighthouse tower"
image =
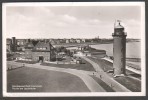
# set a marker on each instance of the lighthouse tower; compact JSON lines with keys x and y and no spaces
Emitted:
{"x":119,"y":50}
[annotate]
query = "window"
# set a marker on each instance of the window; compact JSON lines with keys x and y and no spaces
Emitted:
{"x":45,"y":48}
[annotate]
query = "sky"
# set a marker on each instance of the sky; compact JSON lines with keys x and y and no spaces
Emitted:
{"x":71,"y":21}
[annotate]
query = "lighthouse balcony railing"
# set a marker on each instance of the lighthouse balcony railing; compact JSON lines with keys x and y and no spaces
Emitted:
{"x":119,"y":34}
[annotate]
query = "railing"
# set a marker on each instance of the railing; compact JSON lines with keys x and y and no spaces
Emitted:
{"x":119,"y":34}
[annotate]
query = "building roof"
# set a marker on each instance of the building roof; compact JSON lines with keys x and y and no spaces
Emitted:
{"x":119,"y":26}
{"x":39,"y":46}
{"x":21,"y":39}
{"x":29,"y":45}
{"x":42,"y":46}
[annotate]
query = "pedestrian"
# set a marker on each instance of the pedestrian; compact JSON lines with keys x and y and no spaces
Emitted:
{"x":111,"y":85}
{"x":104,"y":69}
{"x":100,"y":76}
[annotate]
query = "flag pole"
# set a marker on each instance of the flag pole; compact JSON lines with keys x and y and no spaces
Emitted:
{"x":115,"y":23}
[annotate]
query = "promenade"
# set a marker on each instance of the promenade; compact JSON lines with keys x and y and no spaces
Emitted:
{"x":92,"y":85}
{"x":106,"y":78}
{"x":127,"y":67}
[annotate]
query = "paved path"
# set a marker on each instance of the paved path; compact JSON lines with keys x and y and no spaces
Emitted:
{"x":84,"y":75}
{"x":106,"y":78}
{"x":127,"y":67}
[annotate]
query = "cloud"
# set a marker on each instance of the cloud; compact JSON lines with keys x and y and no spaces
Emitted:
{"x":32,"y":20}
{"x":89,"y":22}
{"x":61,"y":24}
{"x":133,"y":22}
{"x":94,"y":21}
{"x":68,"y":18}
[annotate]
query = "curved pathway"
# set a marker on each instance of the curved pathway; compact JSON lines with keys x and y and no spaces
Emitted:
{"x":106,"y":78}
{"x":84,"y":75}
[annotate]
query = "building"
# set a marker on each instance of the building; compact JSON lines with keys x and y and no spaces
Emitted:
{"x":86,"y":50}
{"x":67,"y":40}
{"x":53,"y":41}
{"x":72,"y":40}
{"x":40,"y":52}
{"x":28,"y":50}
{"x":62,"y":41}
{"x":96,"y":40}
{"x":57,"y":41}
{"x":14,"y":44}
{"x":83,"y":40}
{"x":78,"y":40}
{"x":8,"y":45}
{"x":88,"y":40}
{"x":21,"y":43}
{"x":119,"y":50}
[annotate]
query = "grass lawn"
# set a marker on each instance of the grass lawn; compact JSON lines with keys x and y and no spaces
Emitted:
{"x":84,"y":66}
{"x":50,"y":81}
{"x":130,"y":83}
{"x":12,"y":67}
{"x":103,"y":84}
{"x":105,"y":65}
{"x":137,"y":67}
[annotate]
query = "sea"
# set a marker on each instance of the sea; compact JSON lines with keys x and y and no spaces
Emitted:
{"x":133,"y":49}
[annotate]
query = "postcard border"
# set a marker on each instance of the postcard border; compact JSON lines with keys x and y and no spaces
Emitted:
{"x":75,"y":94}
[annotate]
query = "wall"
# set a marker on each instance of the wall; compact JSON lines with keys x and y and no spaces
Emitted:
{"x":28,"y":54}
{"x":119,"y":52}
{"x":46,"y":55}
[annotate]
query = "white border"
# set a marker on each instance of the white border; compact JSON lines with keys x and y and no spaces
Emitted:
{"x":86,"y":94}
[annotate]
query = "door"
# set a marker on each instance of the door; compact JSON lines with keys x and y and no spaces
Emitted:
{"x":41,"y":58}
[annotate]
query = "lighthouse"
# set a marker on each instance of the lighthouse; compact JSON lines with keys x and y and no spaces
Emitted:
{"x":119,"y":50}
